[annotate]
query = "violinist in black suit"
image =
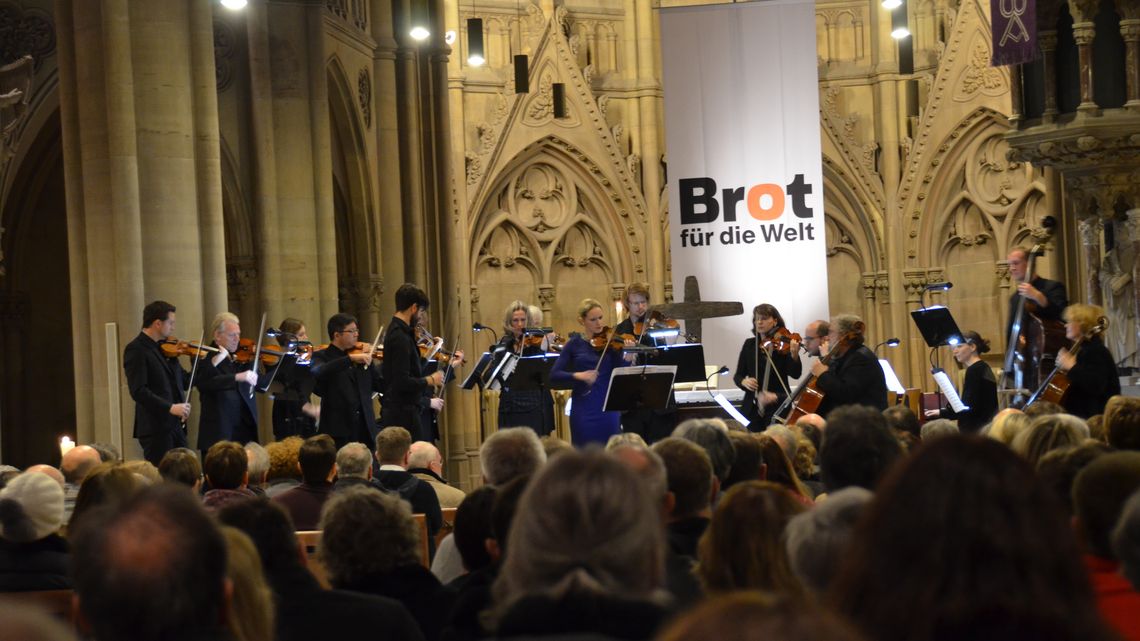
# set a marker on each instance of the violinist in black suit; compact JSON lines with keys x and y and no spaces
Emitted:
{"x":229,"y":409}
{"x":346,"y":379}
{"x":854,"y":376}
{"x":760,"y":401}
{"x":157,"y":384}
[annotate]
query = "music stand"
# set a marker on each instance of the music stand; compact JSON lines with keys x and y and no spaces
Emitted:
{"x":640,"y":387}
{"x":937,"y":326}
{"x":475,"y":377}
{"x":532,"y":373}
{"x":688,"y":358}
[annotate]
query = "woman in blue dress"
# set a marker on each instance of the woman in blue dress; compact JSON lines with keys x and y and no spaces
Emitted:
{"x":578,"y":365}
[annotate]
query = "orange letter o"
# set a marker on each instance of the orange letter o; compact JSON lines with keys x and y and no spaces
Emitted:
{"x":769,"y":189}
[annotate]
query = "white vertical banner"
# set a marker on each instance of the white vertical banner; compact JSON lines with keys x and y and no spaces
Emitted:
{"x":744,"y":162}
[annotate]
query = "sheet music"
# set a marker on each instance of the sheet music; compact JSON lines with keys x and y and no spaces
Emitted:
{"x":948,"y":390}
{"x":732,"y":411}
{"x":893,"y":382}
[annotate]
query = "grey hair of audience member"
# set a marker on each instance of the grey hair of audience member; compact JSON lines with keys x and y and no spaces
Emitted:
{"x":422,"y":454}
{"x":510,"y":453}
{"x":1126,"y":540}
{"x":584,"y":525}
{"x":816,"y":539}
{"x":712,"y":435}
{"x":1046,"y":433}
{"x":258,"y":462}
{"x":353,"y":461}
{"x":785,"y":437}
{"x":108,"y":453}
{"x":625,"y":438}
{"x":365,"y":533}
{"x":938,"y":428}
{"x":646,"y":463}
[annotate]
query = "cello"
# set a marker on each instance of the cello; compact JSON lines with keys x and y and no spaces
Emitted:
{"x":808,"y":397}
{"x":1055,"y":387}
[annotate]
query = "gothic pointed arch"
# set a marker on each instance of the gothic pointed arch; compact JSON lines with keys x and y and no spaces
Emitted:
{"x":241,"y":245}
{"x":854,"y":242}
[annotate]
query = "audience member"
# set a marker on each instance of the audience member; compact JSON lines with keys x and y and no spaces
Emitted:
{"x":749,"y":463}
{"x":227,"y":475}
{"x":743,"y":548}
{"x":75,"y":465}
{"x":1007,"y":424}
{"x":107,"y":484}
{"x":354,"y":468}
{"x":317,"y":459}
{"x":1126,"y":540}
{"x":1046,"y":433}
{"x":393,"y":449}
{"x":963,"y":542}
{"x":812,"y":426}
{"x":857,"y":449}
{"x":510,"y":453}
{"x":712,"y":435}
{"x":426,"y":463}
{"x":691,"y":487}
{"x":472,"y":530}
{"x":553,"y":446}
{"x":804,"y":465}
{"x":778,"y":469}
{"x":251,"y":615}
{"x":756,"y":616}
{"x":1043,"y":408}
{"x":258,"y":467}
{"x":1096,"y":427}
{"x":370,"y":544}
{"x":785,"y":438}
{"x":625,"y":438}
{"x":901,"y":418}
{"x":938,"y":428}
{"x":1099,"y":495}
{"x":817,"y":539}
{"x":108,"y":453}
{"x":305,"y":611}
{"x":181,"y":465}
{"x":1058,"y":469}
{"x":284,"y":471}
{"x":585,"y":555}
{"x":1122,"y":422}
{"x":50,"y":471}
{"x":151,"y":568}
{"x":7,"y":473}
{"x":144,"y":471}
{"x":32,"y":554}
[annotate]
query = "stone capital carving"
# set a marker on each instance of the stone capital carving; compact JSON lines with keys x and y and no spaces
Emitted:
{"x":1090,"y":229}
{"x":546,"y":296}
{"x":1132,"y":224}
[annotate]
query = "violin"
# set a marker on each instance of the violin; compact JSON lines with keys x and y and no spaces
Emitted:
{"x":780,"y":342}
{"x":377,"y":355}
{"x":655,"y":320}
{"x":431,"y":347}
{"x":554,"y":344}
{"x":615,"y":341}
{"x":173,"y":348}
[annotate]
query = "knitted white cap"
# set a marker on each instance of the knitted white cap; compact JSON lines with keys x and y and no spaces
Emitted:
{"x":31,"y":507}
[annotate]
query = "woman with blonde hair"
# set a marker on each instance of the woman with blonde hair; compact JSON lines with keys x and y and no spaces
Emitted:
{"x":533,"y":408}
{"x":587,"y":369}
{"x":252,"y":613}
{"x":1091,"y":370}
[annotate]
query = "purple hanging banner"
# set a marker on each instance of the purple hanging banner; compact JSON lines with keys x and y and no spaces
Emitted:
{"x":1014,"y":31}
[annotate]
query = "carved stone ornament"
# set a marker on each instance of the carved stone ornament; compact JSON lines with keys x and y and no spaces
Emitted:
{"x":1090,"y":228}
{"x":364,"y":91}
{"x":25,"y":32}
{"x":225,"y":50}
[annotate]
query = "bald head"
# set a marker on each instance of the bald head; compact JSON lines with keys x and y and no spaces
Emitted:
{"x":422,"y":455}
{"x":78,"y":462}
{"x":49,"y":470}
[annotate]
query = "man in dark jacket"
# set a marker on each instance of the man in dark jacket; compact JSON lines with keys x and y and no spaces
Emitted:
{"x":157,"y":385}
{"x":318,"y":468}
{"x":346,"y":380}
{"x":229,"y":409}
{"x":393,"y":446}
{"x":854,"y":376}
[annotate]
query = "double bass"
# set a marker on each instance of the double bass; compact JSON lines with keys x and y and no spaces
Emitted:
{"x":808,"y":397}
{"x":1033,"y":341}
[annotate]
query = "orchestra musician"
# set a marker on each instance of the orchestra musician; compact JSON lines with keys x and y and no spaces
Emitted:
{"x":229,"y":410}
{"x":979,"y":389}
{"x":346,"y":378}
{"x":157,"y":384}
{"x":293,"y":417}
{"x":814,"y":336}
{"x":403,"y":371}
{"x":652,"y":425}
{"x":760,"y":401}
{"x":1045,"y":300}
{"x":1091,"y":371}
{"x":854,"y":376}
{"x":588,"y":369}
{"x":531,"y":408}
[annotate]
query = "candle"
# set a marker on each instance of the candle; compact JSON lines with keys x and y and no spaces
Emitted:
{"x":65,"y":445}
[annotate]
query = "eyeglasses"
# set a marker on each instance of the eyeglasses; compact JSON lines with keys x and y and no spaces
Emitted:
{"x":354,"y":330}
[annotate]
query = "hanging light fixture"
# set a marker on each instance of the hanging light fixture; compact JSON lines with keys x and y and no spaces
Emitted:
{"x":559,"y":90}
{"x":891,"y":5}
{"x":234,"y":5}
{"x":899,"y":23}
{"x":420,"y":26}
{"x":475,"y":42}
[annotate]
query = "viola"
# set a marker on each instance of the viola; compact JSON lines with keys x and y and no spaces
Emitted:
{"x":780,"y":342}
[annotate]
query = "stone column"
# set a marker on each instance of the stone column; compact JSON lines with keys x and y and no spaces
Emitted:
{"x":1083,"y":34}
{"x":652,"y":182}
{"x":1090,"y":229}
{"x":388,"y":166}
{"x":1130,"y":29}
{"x":1133,"y":226}
{"x":138,"y":109}
{"x":411,"y":139}
{"x":1048,"y":42}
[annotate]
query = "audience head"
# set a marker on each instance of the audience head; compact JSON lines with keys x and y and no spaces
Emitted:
{"x":7,"y":473}
{"x":144,"y":471}
{"x":181,"y":465}
{"x":689,"y":475}
{"x":785,"y":437}
{"x":507,"y":497}
{"x":804,"y":463}
{"x":1007,"y":424}
{"x":857,"y":449}
{"x":649,"y":468}
{"x":258,"y":463}
{"x":938,"y":428}
{"x":817,"y":539}
{"x":250,"y":617}
{"x":1058,"y":469}
{"x":31,"y":508}
{"x":1043,"y":408}
{"x":108,"y":453}
{"x":425,"y":456}
{"x":743,"y":548}
{"x":625,"y":438}
{"x":712,"y":435}
{"x":1024,"y":578}
{"x":473,"y":528}
{"x":226,"y":466}
{"x":1095,"y":424}
{"x":107,"y":484}
{"x":585,"y":524}
{"x":553,"y":446}
{"x":1099,"y":494}
{"x":392,"y":446}
{"x":284,"y":458}
{"x":1122,"y":422}
{"x":78,"y":462}
{"x":758,"y":616}
{"x":272,"y":532}
{"x":1047,"y":433}
{"x":51,"y":472}
{"x":749,"y":463}
{"x":159,"y":543}
{"x":354,"y":461}
{"x":365,"y":534}
{"x":1126,"y":540}
{"x":778,"y":467}
{"x":902,"y":419}
{"x":510,"y":453}
{"x":317,"y":459}
{"x":812,"y":427}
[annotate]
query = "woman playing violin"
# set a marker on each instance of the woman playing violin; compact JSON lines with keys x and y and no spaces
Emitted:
{"x":777,"y":356}
{"x":652,"y":425}
{"x":523,"y":408}
{"x":229,"y":410}
{"x":1092,"y":374}
{"x":293,"y":417}
{"x":588,"y":369}
{"x":979,"y":390}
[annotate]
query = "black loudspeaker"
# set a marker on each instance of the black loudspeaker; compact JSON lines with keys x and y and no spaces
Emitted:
{"x":559,"y":100}
{"x":522,"y":74}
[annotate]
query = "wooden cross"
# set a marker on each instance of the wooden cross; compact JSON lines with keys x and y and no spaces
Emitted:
{"x":693,"y":309}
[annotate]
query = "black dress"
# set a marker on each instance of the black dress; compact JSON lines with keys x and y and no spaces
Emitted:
{"x":531,"y":408}
{"x":1092,"y":381}
{"x":784,"y":366}
{"x":979,"y":393}
{"x":652,"y":425}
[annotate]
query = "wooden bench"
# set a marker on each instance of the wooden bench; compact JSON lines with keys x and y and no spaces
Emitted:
{"x":310,"y":539}
{"x":448,"y":525}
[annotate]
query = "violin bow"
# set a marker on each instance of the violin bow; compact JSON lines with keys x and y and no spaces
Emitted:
{"x":372,"y":349}
{"x":193,"y":371}
{"x":447,"y":370}
{"x":257,"y":352}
